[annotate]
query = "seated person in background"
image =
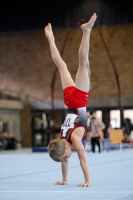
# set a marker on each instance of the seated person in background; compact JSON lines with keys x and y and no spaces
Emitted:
{"x":127,"y":129}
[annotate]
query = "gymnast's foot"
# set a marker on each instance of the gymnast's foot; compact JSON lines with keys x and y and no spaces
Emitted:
{"x":89,"y":25}
{"x":48,"y":31}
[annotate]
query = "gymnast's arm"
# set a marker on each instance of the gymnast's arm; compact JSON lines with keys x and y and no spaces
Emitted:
{"x":64,"y":167}
{"x":83,"y":161}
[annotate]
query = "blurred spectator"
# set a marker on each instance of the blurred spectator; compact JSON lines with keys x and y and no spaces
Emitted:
{"x":127,"y":126}
{"x":7,"y":140}
{"x":1,"y":125}
{"x":95,"y":131}
{"x":127,"y":129}
{"x":11,"y":142}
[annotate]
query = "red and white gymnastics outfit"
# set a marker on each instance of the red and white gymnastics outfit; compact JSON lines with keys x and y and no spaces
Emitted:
{"x":76,"y":100}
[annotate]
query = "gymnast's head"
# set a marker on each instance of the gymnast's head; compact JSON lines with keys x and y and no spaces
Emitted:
{"x":59,"y":150}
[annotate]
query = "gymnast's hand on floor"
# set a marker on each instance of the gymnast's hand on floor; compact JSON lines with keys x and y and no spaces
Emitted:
{"x":61,"y":183}
{"x":86,"y":184}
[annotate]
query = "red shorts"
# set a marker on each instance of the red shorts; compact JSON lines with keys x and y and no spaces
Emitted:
{"x":75,"y":98}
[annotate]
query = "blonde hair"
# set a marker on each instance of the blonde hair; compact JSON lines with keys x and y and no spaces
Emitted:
{"x":56,"y":149}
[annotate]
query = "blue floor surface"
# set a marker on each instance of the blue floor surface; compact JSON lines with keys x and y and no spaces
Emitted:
{"x":31,"y":176}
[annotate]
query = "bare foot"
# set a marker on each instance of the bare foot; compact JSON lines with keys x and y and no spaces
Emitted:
{"x":90,"y":24}
{"x":48,"y":31}
{"x":86,"y":184}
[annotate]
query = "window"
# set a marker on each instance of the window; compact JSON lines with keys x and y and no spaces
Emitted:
{"x":115,"y":118}
{"x":129,"y":114}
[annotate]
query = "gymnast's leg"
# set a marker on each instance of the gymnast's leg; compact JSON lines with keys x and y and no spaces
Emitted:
{"x":82,"y":81}
{"x":66,"y":78}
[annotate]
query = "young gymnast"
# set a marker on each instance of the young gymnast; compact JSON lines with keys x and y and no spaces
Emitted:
{"x":76,"y":99}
